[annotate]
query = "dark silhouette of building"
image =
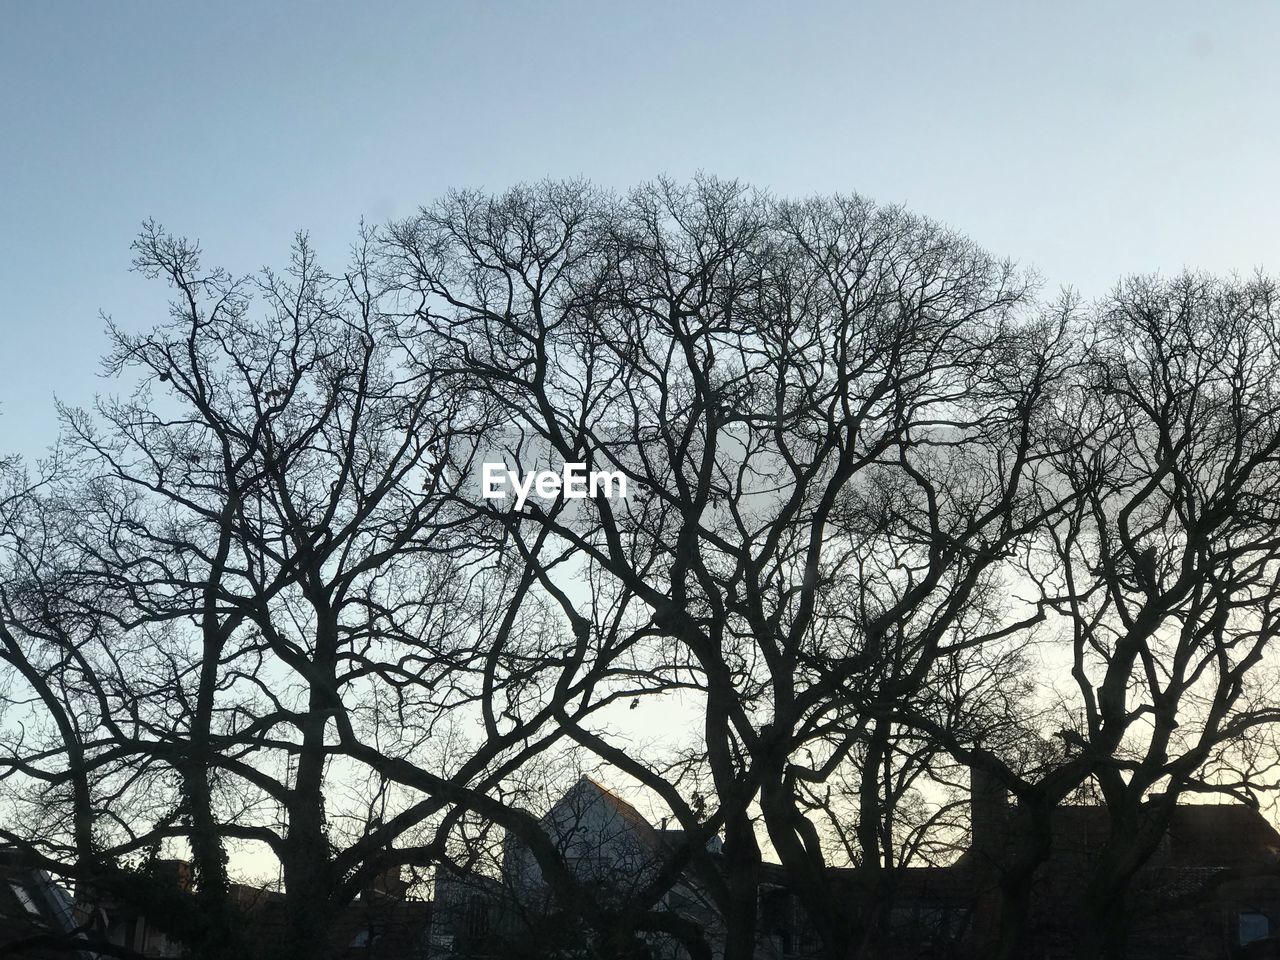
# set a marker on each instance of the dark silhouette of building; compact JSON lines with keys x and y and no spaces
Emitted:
{"x":383,"y":923}
{"x":1210,"y":892}
{"x":36,"y":913}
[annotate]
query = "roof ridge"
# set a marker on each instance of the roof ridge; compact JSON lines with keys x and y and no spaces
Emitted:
{"x":624,"y":807}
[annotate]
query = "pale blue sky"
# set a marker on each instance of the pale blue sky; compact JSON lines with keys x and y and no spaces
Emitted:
{"x":1089,"y":140}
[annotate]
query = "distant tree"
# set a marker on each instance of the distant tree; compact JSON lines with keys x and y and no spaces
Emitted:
{"x":1158,"y":588}
{"x":1168,"y":574}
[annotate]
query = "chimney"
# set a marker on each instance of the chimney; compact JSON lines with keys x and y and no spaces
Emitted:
{"x":174,"y":872}
{"x":988,"y":811}
{"x":386,"y":883}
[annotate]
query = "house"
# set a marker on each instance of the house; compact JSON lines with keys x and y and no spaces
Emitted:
{"x":382,"y":928}
{"x":607,"y":845}
{"x":1211,"y":891}
{"x":383,"y":923}
{"x":107,"y":918}
{"x":36,"y":913}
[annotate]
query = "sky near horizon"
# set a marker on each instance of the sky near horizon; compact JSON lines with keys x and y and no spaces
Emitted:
{"x":1089,"y":141}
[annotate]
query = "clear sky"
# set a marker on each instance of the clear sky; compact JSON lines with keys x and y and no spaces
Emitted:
{"x":1087,"y":139}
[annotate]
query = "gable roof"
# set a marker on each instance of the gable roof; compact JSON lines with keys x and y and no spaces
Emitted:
{"x":1199,"y":834}
{"x":32,"y":906}
{"x":624,"y":809}
{"x":1225,"y":834}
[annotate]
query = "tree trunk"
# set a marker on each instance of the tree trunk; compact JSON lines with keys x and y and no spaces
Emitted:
{"x":308,"y":863}
{"x":308,"y":911}
{"x":1026,"y":847}
{"x":873,"y":876}
{"x":1015,"y":912}
{"x":1136,"y":829}
{"x":220,"y":938}
{"x":742,"y":875}
{"x":1104,"y":933}
{"x":805,"y":868}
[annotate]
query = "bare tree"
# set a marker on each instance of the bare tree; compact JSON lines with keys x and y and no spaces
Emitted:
{"x":271,"y":621}
{"x":236,"y":552}
{"x":1168,"y":573}
{"x":831,"y":421}
{"x":846,"y":472}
